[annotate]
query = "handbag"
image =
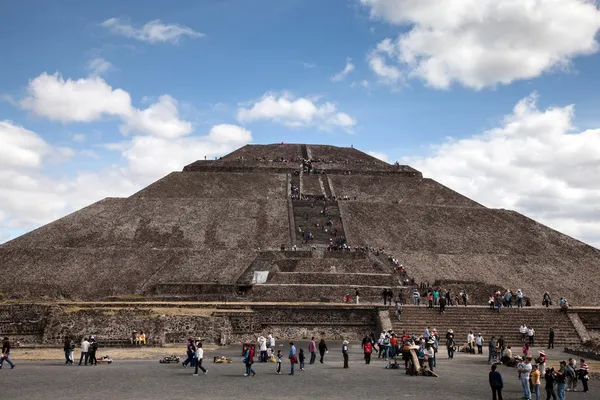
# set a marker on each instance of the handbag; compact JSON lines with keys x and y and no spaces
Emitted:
{"x":294,"y":359}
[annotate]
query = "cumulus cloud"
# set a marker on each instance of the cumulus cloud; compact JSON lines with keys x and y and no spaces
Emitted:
{"x":159,"y":119}
{"x":80,"y":100}
{"x":381,"y":156}
{"x":340,"y":76}
{"x":98,"y":66}
{"x":481,"y":43}
{"x":536,"y":162}
{"x":20,"y":147}
{"x":296,"y":112}
{"x":152,"y":32}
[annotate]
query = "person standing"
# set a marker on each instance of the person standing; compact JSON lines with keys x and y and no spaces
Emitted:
{"x":312,"y":349}
{"x":561,"y":377}
{"x":6,"y":353}
{"x":385,"y":296}
{"x":301,"y":359}
{"x":551,"y":338}
{"x":491,"y":349}
{"x":496,"y":383}
{"x":85,"y":347}
{"x":524,"y":370}
{"x":535,"y":381}
{"x":479,"y":343}
{"x":471,"y":342}
{"x":523,"y":332}
{"x":465,"y":297}
{"x":398,"y":310}
{"x":293,"y":358}
{"x":199,"y":358}
{"x":357,"y":294}
{"x":519,"y":298}
{"x":368,"y":349}
{"x":429,"y":353}
{"x":550,"y":379}
{"x":249,"y":360}
{"x":345,"y":353}
{"x":263,"y":349}
{"x":442,"y":302}
{"x":279,"y":357}
{"x":531,"y":334}
{"x":571,"y":369}
{"x":583,"y":374}
{"x":416,"y":297}
{"x":92,"y":351}
{"x":322,"y":349}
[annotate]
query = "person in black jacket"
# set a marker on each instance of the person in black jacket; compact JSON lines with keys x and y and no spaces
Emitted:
{"x":496,"y":383}
{"x":322,"y":349}
{"x":92,"y":351}
{"x":6,"y":353}
{"x":549,"y":377}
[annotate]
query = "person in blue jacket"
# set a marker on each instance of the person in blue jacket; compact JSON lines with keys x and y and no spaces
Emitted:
{"x":496,"y":383}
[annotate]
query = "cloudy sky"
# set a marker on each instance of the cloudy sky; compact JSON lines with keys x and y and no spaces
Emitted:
{"x":498,"y":99}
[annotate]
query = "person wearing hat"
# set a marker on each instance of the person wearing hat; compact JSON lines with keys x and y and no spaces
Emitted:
{"x":6,"y":353}
{"x":430,"y":353}
{"x":541,"y":360}
{"x":524,"y":370}
{"x":345,"y":353}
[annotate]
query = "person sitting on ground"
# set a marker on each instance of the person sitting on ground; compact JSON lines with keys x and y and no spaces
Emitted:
{"x":507,"y":358}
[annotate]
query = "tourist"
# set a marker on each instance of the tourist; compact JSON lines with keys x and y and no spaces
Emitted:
{"x":524,"y":370}
{"x":262,"y":342}
{"x":583,"y":374}
{"x":436,"y":297}
{"x":85,"y":347}
{"x":271,"y":341}
{"x":312,"y":349}
{"x":507,"y":357}
{"x":550,"y":379}
{"x":471,"y":342}
{"x":199,"y":357}
{"x":292,"y":357}
{"x":301,"y":359}
{"x":279,"y":357}
{"x":523,"y":332}
{"x":67,"y":349}
{"x":426,"y":333}
{"x":519,"y":298}
{"x":571,"y":370}
{"x":416,"y":297}
{"x":429,"y":353}
{"x":92,"y":351}
{"x":491,"y":348}
{"x":535,"y":381}
{"x":546,"y":301}
{"x":367,"y":349}
{"x":525,"y":349}
{"x":531,"y":334}
{"x":501,"y":345}
{"x":390,"y":295}
{"x":436,"y":346}
{"x":249,"y":360}
{"x":322,"y":349}
{"x":561,"y":376}
{"x":541,"y":360}
{"x":345,"y":353}
{"x":386,"y":346}
{"x":384,"y":294}
{"x":450,"y":344}
{"x":496,"y":383}
{"x":442,"y":302}
{"x":448,"y":298}
{"x":398,"y":310}
{"x":465,"y":297}
{"x":479,"y":343}
{"x":190,"y":350}
{"x":357,"y":294}
{"x":551,"y":338}
{"x":508,"y":299}
{"x":5,"y":356}
{"x":142,"y":338}
{"x":430,"y":299}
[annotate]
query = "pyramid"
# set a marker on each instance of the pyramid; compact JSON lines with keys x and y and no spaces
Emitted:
{"x":289,"y":212}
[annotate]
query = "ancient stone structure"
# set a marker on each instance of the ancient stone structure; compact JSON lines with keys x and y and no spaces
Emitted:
{"x":201,"y":234}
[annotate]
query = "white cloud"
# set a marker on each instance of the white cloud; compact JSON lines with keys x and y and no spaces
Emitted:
{"x":78,"y":137}
{"x":340,"y":76}
{"x":481,"y":43}
{"x":295,"y":112}
{"x":535,"y":163}
{"x":20,"y":147}
{"x":98,"y":66}
{"x":152,"y":32}
{"x":80,"y":100}
{"x":159,"y":119}
{"x":381,"y":156}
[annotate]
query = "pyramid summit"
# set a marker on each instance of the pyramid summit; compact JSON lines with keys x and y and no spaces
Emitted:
{"x":310,"y":222}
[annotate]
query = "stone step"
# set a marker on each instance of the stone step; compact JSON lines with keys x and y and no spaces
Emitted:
{"x":333,"y":278}
{"x":316,"y":292}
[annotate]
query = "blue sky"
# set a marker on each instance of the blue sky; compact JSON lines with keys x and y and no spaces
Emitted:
{"x":107,"y":97}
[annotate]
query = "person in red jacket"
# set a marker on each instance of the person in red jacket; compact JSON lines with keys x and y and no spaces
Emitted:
{"x":368,"y":349}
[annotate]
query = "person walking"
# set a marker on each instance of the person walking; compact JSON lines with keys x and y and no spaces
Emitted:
{"x":5,"y":356}
{"x":85,"y":347}
{"x":550,"y":379}
{"x":190,"y":350}
{"x":199,"y":358}
{"x":322,"y":349}
{"x":345,"y":353}
{"x":561,"y":378}
{"x":312,"y":349}
{"x":368,"y":349}
{"x":67,"y":349}
{"x":535,"y":381}
{"x":292,"y":357}
{"x":249,"y":360}
{"x":279,"y":357}
{"x":301,"y":359}
{"x":551,"y":338}
{"x":524,"y":370}
{"x":496,"y":383}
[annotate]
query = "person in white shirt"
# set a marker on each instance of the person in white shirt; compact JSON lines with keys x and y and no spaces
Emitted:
{"x":271,"y":341}
{"x":531,"y":334}
{"x":479,"y":343}
{"x":429,"y":353}
{"x":262,"y":342}
{"x":199,"y":358}
{"x":523,"y":331}
{"x":524,"y":370}
{"x":85,"y":347}
{"x":471,"y":342}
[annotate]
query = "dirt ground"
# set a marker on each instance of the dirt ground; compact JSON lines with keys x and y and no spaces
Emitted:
{"x":117,"y":353}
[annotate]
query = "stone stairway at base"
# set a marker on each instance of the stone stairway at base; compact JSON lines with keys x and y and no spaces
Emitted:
{"x":487,"y":322}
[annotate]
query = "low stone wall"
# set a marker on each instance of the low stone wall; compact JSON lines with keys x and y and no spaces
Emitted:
{"x":333,"y":278}
{"x":325,"y":293}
